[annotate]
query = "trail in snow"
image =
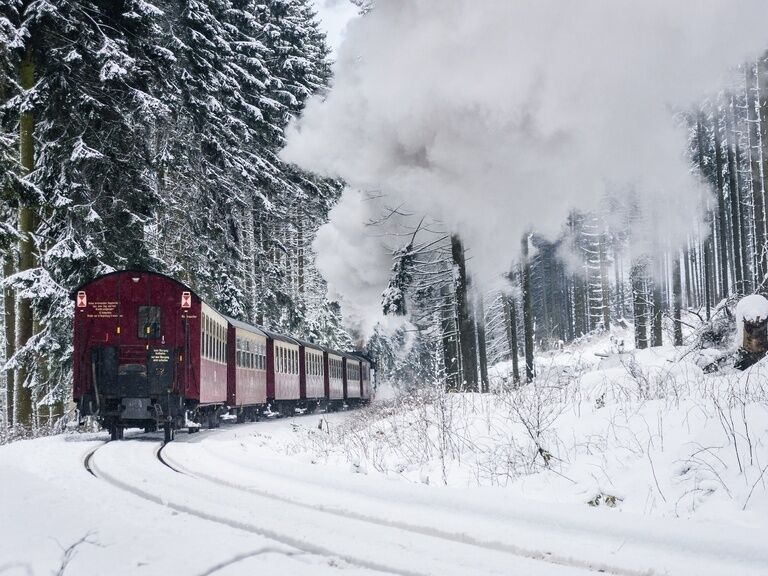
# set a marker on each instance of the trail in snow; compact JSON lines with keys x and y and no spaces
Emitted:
{"x":51,"y":503}
{"x":564,"y":534}
{"x":377,"y":546}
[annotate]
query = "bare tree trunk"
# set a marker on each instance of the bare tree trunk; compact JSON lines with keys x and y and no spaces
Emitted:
{"x":688,"y":276}
{"x":744,"y":226}
{"x":721,"y":218}
{"x":758,"y":199}
{"x":258,"y":297}
{"x":605,"y":287}
{"x":677,"y":299}
{"x":510,"y":306}
{"x":9,"y":304}
{"x":639,"y":295}
{"x":707,"y":256}
{"x":481,"y":345}
{"x":450,"y":348}
{"x":618,"y":279}
{"x":530,"y":371}
{"x":708,"y":278}
{"x":734,"y":194}
{"x":300,"y":255}
{"x":467,"y":339}
{"x":658,"y":306}
{"x":24,"y":316}
{"x":9,"y":296}
{"x":762,"y":99}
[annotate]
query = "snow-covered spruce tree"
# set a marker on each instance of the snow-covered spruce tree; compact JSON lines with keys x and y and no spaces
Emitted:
{"x":301,"y":68}
{"x":8,"y":216}
{"x":88,"y":96}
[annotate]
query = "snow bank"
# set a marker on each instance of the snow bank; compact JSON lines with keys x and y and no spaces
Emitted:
{"x":642,"y":432}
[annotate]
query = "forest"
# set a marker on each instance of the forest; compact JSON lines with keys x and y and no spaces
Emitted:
{"x":610,"y":266}
{"x":145,"y":135}
{"x":139,"y":135}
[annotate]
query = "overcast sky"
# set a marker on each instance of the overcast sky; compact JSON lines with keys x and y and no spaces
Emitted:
{"x":334,"y":15}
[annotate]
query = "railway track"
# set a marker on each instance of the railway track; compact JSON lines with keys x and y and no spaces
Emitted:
{"x":92,"y":469}
{"x":449,"y":551}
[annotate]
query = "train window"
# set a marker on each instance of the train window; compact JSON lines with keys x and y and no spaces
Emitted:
{"x":149,"y":322}
{"x":202,"y":337}
{"x":205,"y":337}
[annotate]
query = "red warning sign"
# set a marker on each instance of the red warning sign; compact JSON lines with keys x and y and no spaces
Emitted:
{"x":186,"y":300}
{"x":82,"y":300}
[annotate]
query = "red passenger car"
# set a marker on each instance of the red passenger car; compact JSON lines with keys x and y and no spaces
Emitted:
{"x":147,"y":350}
{"x":283,"y":391}
{"x":247,"y":376}
{"x":311,"y":375}
{"x":352,"y":381}
{"x":334,"y":380}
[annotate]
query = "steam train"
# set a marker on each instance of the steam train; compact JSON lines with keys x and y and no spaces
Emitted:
{"x":150,"y":353}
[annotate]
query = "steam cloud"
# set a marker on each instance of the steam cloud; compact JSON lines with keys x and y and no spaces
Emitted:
{"x":499,"y":116}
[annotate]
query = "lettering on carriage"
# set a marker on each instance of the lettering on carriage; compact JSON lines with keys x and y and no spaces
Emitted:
{"x":103,"y":310}
{"x":160,"y":355}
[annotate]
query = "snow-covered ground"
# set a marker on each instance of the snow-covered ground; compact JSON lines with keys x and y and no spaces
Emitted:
{"x":634,"y":463}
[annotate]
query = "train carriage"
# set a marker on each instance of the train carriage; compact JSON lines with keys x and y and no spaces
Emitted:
{"x":365,"y":377}
{"x":213,"y":358}
{"x":147,"y":350}
{"x":283,"y":390}
{"x":352,"y":381}
{"x":311,"y":375}
{"x":334,"y":379}
{"x":247,"y":369}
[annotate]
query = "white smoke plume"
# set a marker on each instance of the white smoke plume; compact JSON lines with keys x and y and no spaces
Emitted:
{"x":499,"y":116}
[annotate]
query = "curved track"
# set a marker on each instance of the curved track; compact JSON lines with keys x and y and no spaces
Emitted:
{"x":142,"y":468}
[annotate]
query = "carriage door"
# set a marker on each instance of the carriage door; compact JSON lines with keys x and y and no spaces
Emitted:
{"x":104,"y":360}
{"x":160,"y":364}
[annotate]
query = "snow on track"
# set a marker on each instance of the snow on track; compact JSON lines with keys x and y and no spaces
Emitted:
{"x":486,"y":519}
{"x":50,"y":503}
{"x":133,"y":466}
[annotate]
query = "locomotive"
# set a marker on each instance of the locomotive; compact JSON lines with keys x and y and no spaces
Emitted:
{"x":150,"y":353}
